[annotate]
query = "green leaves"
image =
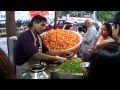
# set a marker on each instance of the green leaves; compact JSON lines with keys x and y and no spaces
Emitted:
{"x":71,"y":66}
{"x":105,"y":15}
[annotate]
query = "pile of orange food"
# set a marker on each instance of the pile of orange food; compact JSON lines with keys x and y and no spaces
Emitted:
{"x":60,"y":39}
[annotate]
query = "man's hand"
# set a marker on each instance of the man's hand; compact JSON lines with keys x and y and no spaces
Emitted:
{"x":67,"y":54}
{"x":115,"y":33}
{"x":61,"y":59}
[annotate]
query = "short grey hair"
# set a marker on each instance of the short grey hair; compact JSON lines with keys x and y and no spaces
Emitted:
{"x":88,"y":20}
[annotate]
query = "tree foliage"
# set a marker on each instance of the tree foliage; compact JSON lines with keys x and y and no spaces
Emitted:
{"x":105,"y":15}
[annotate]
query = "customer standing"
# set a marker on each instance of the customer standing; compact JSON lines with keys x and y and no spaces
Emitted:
{"x":89,"y":39}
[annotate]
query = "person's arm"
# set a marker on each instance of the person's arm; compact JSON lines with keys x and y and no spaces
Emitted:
{"x":115,"y":33}
{"x":31,"y":50}
{"x":84,"y":70}
{"x":47,"y":58}
{"x":44,"y":57}
{"x":65,"y":54}
{"x":89,"y":36}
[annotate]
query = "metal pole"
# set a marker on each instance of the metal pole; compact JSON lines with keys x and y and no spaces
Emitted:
{"x":11,"y":49}
{"x":94,"y":15}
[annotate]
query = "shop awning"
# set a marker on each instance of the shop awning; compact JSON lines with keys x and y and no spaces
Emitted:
{"x":42,"y":13}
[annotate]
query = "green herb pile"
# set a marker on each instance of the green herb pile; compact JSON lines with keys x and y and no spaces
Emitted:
{"x":71,"y":66}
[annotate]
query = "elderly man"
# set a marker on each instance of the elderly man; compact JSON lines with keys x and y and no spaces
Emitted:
{"x":89,"y":39}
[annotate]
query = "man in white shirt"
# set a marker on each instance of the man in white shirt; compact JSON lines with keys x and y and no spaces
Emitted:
{"x":89,"y":40}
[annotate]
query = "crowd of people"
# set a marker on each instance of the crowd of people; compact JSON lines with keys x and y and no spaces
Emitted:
{"x":102,"y":52}
{"x":104,"y":55}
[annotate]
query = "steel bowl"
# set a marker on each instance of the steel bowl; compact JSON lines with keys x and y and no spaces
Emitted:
{"x":75,"y":48}
{"x":61,"y":75}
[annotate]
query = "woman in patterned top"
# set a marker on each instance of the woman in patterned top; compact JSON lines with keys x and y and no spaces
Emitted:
{"x":106,"y":35}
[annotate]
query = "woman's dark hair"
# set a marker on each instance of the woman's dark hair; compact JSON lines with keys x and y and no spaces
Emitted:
{"x":105,"y":62}
{"x":37,"y":19}
{"x":6,"y":69}
{"x":117,"y":19}
{"x":109,"y":28}
{"x":80,"y":28}
{"x":68,"y":26}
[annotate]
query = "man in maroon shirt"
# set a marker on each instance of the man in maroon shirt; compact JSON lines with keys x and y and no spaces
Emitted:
{"x":30,"y":48}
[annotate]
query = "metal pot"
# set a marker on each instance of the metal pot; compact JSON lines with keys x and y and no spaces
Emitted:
{"x":37,"y":71}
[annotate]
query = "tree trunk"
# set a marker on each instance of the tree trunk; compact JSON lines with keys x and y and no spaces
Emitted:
{"x":55,"y":20}
{"x":11,"y":31}
{"x":10,"y":23}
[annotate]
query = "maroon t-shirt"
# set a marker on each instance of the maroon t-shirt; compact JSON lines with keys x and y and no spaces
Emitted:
{"x":26,"y":48}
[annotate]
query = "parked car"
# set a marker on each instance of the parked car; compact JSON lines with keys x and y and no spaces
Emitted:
{"x":2,"y":26}
{"x":60,"y":24}
{"x":2,"y":23}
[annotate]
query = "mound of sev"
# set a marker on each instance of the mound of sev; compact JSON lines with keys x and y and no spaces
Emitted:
{"x":60,"y":39}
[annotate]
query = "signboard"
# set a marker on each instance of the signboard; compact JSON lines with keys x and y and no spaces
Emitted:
{"x":23,"y":15}
{"x":2,"y":15}
{"x":42,"y":13}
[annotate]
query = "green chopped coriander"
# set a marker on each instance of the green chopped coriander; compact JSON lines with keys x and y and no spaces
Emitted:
{"x":71,"y":66}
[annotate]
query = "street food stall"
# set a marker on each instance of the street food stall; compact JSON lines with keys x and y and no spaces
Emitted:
{"x":64,"y":40}
{"x":61,"y":40}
